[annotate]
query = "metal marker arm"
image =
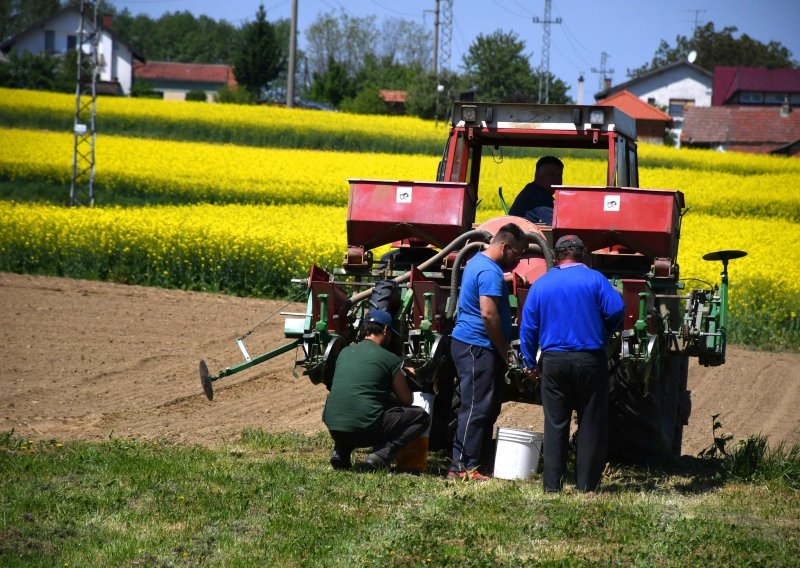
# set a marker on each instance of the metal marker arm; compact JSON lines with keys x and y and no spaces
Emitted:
{"x":256,"y":360}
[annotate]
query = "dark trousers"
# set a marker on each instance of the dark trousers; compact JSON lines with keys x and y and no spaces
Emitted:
{"x":575,"y":381}
{"x":398,"y":426}
{"x":480,"y":376}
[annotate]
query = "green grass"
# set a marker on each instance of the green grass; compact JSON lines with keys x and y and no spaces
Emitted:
{"x":273,"y":499}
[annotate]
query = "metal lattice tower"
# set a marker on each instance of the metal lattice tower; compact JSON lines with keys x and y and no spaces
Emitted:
{"x":82,"y":189}
{"x":446,"y":35}
{"x":603,"y":72}
{"x":544,"y":66}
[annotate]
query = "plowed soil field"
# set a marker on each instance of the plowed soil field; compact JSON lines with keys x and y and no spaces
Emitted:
{"x":93,"y":360}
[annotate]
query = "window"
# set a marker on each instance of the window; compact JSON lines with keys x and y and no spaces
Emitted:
{"x":794,"y":99}
{"x":651,"y":101}
{"x":750,"y":97}
{"x":774,"y":98}
{"x":49,"y":41}
{"x":72,"y":41}
{"x":678,"y":106}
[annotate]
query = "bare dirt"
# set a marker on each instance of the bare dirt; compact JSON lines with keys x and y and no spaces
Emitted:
{"x":93,"y":360}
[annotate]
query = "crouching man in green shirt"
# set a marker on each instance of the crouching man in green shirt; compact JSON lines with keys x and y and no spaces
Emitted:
{"x":369,"y":400}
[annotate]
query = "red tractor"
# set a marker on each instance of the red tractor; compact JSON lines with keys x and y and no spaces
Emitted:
{"x":632,"y":234}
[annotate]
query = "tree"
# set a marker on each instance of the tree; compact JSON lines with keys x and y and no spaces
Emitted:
{"x":333,"y":85}
{"x":719,"y":48}
{"x":18,"y":15}
{"x":407,"y":43}
{"x":347,"y":40}
{"x":498,"y":69}
{"x":423,"y":93}
{"x":258,"y":57}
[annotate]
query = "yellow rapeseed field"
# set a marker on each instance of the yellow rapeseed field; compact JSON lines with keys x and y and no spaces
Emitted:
{"x":227,"y":122}
{"x":239,"y":248}
{"x":190,"y":171}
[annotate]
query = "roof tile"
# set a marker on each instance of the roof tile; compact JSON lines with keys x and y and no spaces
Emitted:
{"x":635,"y":107}
{"x":193,"y":72}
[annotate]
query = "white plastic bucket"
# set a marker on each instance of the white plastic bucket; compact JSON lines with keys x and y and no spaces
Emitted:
{"x":517,"y":454}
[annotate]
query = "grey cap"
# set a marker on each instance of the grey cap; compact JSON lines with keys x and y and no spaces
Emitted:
{"x":567,"y":242}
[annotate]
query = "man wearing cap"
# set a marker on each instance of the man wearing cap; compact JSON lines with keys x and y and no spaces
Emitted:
{"x":479,"y":346}
{"x":535,"y":201}
{"x":369,"y":400}
{"x":569,"y":314}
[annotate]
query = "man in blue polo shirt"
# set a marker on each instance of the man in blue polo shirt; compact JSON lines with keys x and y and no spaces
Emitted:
{"x":479,"y":347}
{"x":569,"y":313}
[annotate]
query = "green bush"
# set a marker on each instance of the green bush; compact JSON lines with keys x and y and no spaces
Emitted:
{"x":197,"y":95}
{"x":234,"y":95}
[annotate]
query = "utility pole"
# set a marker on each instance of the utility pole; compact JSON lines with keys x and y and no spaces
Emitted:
{"x":544,"y":67}
{"x":292,"y":57}
{"x":603,"y":72}
{"x":81,"y":190}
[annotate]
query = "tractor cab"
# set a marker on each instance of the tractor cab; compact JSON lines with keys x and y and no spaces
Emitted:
{"x":480,"y":126}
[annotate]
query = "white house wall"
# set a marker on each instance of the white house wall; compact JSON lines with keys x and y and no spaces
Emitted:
{"x":675,"y":84}
{"x":63,"y":25}
{"x":116,"y":59}
{"x":123,"y":68}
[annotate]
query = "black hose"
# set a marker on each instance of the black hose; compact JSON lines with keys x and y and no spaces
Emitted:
{"x":455,"y":276}
{"x":545,"y":248}
{"x":537,"y":239}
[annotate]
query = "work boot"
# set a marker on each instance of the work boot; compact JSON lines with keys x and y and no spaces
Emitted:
{"x":340,"y":458}
{"x":375,"y":462}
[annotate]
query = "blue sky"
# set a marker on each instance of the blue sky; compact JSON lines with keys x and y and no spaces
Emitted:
{"x":628,"y":31}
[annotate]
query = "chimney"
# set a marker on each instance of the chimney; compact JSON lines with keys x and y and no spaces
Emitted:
{"x":606,"y":83}
{"x":108,"y":21}
{"x":580,"y":90}
{"x":786,"y":108}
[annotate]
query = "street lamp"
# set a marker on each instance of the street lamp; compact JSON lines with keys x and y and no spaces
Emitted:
{"x":439,"y":90}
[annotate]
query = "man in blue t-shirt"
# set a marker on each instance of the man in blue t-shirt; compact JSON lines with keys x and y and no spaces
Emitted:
{"x":535,"y":202}
{"x":479,"y":347}
{"x":569,"y":314}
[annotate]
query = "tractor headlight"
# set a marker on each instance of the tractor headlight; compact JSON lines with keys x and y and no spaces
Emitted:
{"x":596,"y":116}
{"x":469,"y":114}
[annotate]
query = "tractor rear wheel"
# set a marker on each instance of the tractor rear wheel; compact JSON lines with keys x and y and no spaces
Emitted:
{"x":647,"y":428}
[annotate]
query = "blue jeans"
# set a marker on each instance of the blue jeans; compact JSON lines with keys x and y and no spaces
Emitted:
{"x":480,"y":375}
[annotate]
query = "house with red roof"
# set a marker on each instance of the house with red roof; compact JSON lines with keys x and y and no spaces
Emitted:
{"x":395,"y":100}
{"x":753,"y":111}
{"x":651,"y":123}
{"x":174,"y":80}
{"x":755,"y":86}
{"x":754,"y":129}
{"x":673,"y":87}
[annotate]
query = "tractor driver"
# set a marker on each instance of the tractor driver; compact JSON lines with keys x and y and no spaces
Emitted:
{"x":535,"y":201}
{"x":369,"y":400}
